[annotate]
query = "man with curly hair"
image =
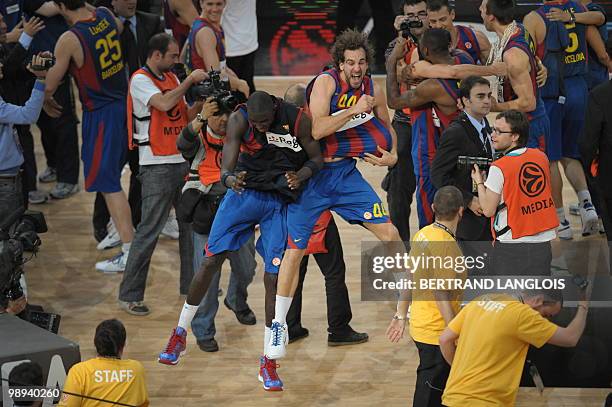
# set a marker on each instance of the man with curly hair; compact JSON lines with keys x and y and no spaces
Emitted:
{"x":350,"y":118}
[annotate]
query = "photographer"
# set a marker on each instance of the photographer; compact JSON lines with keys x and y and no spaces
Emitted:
{"x":26,"y":374}
{"x":466,"y":136}
{"x":16,"y":87}
{"x":11,"y":156}
{"x":400,"y":181}
{"x":157,"y":113}
{"x":517,"y":196}
{"x":201,"y":142}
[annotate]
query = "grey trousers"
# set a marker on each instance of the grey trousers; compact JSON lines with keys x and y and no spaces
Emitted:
{"x":161,"y":189}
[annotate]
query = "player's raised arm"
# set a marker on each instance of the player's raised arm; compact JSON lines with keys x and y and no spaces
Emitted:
{"x":518,"y":73}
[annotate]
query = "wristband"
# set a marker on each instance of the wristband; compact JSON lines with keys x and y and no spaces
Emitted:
{"x":224,"y":178}
{"x":397,"y":317}
{"x":313,"y":167}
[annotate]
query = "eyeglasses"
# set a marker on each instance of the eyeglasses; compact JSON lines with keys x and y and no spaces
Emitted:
{"x":498,"y":131}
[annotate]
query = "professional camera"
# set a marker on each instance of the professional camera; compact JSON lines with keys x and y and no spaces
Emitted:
{"x":406,"y":25}
{"x":219,"y":89}
{"x":18,"y":233}
{"x":466,"y":162}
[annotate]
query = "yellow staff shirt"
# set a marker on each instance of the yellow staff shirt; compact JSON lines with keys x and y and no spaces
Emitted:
{"x":495,"y":332}
{"x":442,"y":253}
{"x":115,"y":380}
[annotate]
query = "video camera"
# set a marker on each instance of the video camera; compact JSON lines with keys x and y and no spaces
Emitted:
{"x":467,"y":162}
{"x":47,"y":64}
{"x":406,"y":25}
{"x":19,"y":233}
{"x":219,"y":89}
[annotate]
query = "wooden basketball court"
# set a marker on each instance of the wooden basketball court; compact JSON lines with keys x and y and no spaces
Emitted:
{"x":62,"y":278}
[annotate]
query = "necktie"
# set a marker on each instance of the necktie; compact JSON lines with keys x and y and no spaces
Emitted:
{"x":485,"y":142}
{"x":129,"y":47}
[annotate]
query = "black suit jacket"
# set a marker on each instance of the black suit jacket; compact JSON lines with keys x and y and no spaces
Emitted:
{"x":147,"y":25}
{"x":596,"y":140}
{"x":461,"y":138}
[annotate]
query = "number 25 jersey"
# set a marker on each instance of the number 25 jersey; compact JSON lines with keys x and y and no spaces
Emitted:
{"x":102,"y":78}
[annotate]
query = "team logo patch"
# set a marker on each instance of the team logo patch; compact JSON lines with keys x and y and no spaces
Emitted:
{"x":531,"y":179}
{"x":276,"y":261}
{"x":468,"y":45}
{"x":367,"y":215}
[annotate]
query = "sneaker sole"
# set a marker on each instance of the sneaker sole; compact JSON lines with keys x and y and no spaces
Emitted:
{"x":268,"y":388}
{"x":169,"y":363}
{"x":276,"y":356}
{"x":37,"y":202}
{"x":347,"y":343}
{"x":106,"y":247}
{"x":131,"y":312}
{"x":591,"y":227}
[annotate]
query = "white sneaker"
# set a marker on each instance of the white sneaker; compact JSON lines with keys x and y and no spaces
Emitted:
{"x":111,"y":240}
{"x":564,"y":231}
{"x":589,"y":218}
{"x":574,"y":209}
{"x":171,"y":229}
{"x":277,"y":348}
{"x":113,"y":265}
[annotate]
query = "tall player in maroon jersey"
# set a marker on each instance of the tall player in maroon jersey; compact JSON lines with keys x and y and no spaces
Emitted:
{"x":91,"y":50}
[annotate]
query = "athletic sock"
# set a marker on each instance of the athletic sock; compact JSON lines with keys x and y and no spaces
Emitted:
{"x":267,"y":335}
{"x":187,"y":314}
{"x":281,"y":308}
{"x":561,"y":214}
{"x":584,"y":196}
{"x":125,"y":248}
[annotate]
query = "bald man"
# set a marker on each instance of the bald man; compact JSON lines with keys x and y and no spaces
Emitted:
{"x":268,"y":153}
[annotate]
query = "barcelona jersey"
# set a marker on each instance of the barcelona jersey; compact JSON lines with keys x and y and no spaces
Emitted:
{"x":523,"y":41}
{"x":195,"y":61}
{"x":428,"y":123}
{"x":363,"y":132}
{"x":467,"y":41}
{"x":575,"y":55}
{"x":101,"y":80}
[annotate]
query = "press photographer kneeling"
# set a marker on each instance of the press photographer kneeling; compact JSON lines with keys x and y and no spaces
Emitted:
{"x":517,"y":197}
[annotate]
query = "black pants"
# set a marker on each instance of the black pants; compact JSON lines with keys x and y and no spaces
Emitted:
{"x":383,"y":15}
{"x":521,"y":259}
{"x":432,"y":374}
{"x":101,"y":215}
{"x":333,"y":268}
{"x":244,"y":67}
{"x":60,"y":138}
{"x":11,"y":196}
{"x":400,"y":182}
{"x":28,"y":168}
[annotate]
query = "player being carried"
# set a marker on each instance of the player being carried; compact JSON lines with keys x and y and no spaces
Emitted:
{"x":350,"y":117}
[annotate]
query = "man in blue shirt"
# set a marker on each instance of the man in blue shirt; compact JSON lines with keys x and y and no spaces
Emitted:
{"x":11,"y":155}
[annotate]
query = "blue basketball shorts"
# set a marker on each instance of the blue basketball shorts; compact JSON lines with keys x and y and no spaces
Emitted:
{"x":235,"y":221}
{"x":339,"y":186}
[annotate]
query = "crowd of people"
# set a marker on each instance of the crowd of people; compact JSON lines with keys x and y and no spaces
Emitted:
{"x":229,"y":159}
